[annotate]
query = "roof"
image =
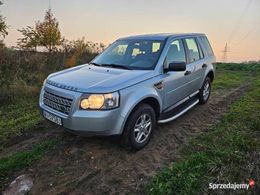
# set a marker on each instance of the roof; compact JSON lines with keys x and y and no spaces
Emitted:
{"x":159,"y":36}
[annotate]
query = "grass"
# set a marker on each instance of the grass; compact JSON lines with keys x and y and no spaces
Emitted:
{"x":23,"y":159}
{"x":19,"y":116}
{"x":251,"y":67}
{"x":20,"y":160}
{"x":222,"y":155}
{"x":230,"y":75}
{"x":229,"y":79}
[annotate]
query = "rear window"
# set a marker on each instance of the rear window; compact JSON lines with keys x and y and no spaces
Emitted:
{"x":204,"y":41}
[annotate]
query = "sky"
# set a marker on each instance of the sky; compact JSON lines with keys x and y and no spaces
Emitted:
{"x":235,"y":22}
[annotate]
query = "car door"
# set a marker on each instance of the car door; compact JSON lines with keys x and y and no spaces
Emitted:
{"x":175,"y":82}
{"x":195,"y":65}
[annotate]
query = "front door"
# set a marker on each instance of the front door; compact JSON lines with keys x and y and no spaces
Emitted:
{"x":175,"y":82}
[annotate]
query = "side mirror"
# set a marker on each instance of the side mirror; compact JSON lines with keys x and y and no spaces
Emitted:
{"x":176,"y":66}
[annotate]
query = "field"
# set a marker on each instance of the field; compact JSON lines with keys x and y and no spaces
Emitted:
{"x":217,"y":142}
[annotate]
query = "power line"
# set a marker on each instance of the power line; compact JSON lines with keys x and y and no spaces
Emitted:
{"x":239,"y":21}
{"x":255,"y":28}
{"x":235,"y":30}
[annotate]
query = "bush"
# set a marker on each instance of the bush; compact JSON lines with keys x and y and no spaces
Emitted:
{"x":22,"y":72}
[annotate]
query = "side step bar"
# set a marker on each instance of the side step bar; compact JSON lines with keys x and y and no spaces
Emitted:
{"x":179,"y":113}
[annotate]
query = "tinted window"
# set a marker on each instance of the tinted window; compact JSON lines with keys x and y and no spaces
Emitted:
{"x":193,"y":49}
{"x":206,"y":45}
{"x":176,"y":52}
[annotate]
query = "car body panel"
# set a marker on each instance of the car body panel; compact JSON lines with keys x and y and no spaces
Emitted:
{"x":93,"y":79}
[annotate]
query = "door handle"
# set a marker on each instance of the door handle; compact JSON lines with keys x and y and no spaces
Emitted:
{"x":204,"y":66}
{"x":187,"y":72}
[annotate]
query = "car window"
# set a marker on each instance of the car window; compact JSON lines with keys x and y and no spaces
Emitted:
{"x":133,"y":54}
{"x":206,"y":45}
{"x":119,"y":50}
{"x":156,"y":47}
{"x":136,"y":51}
{"x":176,"y":52}
{"x":193,"y":49}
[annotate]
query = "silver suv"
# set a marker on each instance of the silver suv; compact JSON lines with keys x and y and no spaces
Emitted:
{"x":134,"y":84}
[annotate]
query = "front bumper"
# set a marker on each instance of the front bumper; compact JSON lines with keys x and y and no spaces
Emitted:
{"x":87,"y":122}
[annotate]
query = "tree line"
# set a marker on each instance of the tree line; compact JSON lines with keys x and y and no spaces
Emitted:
{"x":46,"y":35}
{"x":41,"y":49}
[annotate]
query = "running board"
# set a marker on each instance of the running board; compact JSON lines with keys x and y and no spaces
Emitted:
{"x":196,"y":101}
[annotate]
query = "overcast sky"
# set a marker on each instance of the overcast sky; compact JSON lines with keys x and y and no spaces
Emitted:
{"x":234,"y":21}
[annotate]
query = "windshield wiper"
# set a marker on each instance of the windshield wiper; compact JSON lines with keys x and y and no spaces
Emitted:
{"x":117,"y":66}
{"x":95,"y":64}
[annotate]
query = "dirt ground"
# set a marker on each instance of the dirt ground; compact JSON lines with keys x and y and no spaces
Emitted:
{"x":88,"y":165}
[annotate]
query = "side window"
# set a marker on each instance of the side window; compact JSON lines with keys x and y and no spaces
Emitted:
{"x":176,"y":52}
{"x":206,"y":45}
{"x":193,"y":49}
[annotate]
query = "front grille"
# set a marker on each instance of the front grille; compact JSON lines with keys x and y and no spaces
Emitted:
{"x":56,"y":102}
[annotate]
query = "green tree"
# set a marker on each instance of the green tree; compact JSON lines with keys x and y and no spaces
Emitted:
{"x":3,"y":29}
{"x":44,"y":34}
{"x":49,"y":32}
{"x":30,"y":39}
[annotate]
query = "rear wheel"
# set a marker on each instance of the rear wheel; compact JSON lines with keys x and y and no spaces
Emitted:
{"x":139,"y":127}
{"x":205,"y":91}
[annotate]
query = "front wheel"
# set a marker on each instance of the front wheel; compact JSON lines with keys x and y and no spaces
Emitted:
{"x":205,"y":91}
{"x":139,"y":127}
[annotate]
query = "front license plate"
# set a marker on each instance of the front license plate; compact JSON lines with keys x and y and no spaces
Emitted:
{"x":52,"y":118}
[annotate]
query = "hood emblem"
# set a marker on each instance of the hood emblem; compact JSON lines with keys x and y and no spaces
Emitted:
{"x":61,"y":85}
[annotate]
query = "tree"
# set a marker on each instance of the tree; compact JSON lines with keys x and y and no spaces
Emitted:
{"x":30,"y":38}
{"x":44,"y":34}
{"x":49,"y":32}
{"x":3,"y":29}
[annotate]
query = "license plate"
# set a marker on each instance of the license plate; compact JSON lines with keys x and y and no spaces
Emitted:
{"x":52,"y":118}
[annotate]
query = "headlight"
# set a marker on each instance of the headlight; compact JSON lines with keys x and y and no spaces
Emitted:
{"x":100,"y":101}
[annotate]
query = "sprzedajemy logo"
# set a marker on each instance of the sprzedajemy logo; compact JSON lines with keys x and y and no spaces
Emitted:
{"x":232,"y":186}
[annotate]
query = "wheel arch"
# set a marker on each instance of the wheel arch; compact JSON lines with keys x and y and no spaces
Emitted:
{"x":211,"y":75}
{"x":150,"y":100}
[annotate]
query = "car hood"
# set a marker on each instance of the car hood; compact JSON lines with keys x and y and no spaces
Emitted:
{"x":93,"y":79}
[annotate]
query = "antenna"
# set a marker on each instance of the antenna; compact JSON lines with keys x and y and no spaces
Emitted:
{"x":225,"y":51}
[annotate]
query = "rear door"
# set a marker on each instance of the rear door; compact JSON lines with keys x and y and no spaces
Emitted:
{"x":195,"y":64}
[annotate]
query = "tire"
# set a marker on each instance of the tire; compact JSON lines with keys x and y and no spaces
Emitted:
{"x":205,"y":93}
{"x":130,"y":137}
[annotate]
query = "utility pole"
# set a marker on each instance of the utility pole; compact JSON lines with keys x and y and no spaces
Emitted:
{"x":225,"y":51}
{"x":49,"y":4}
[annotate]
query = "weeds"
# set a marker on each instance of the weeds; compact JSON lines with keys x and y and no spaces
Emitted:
{"x":18,"y":117}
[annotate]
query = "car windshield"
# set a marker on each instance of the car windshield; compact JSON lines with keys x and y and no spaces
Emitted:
{"x":131,"y":54}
